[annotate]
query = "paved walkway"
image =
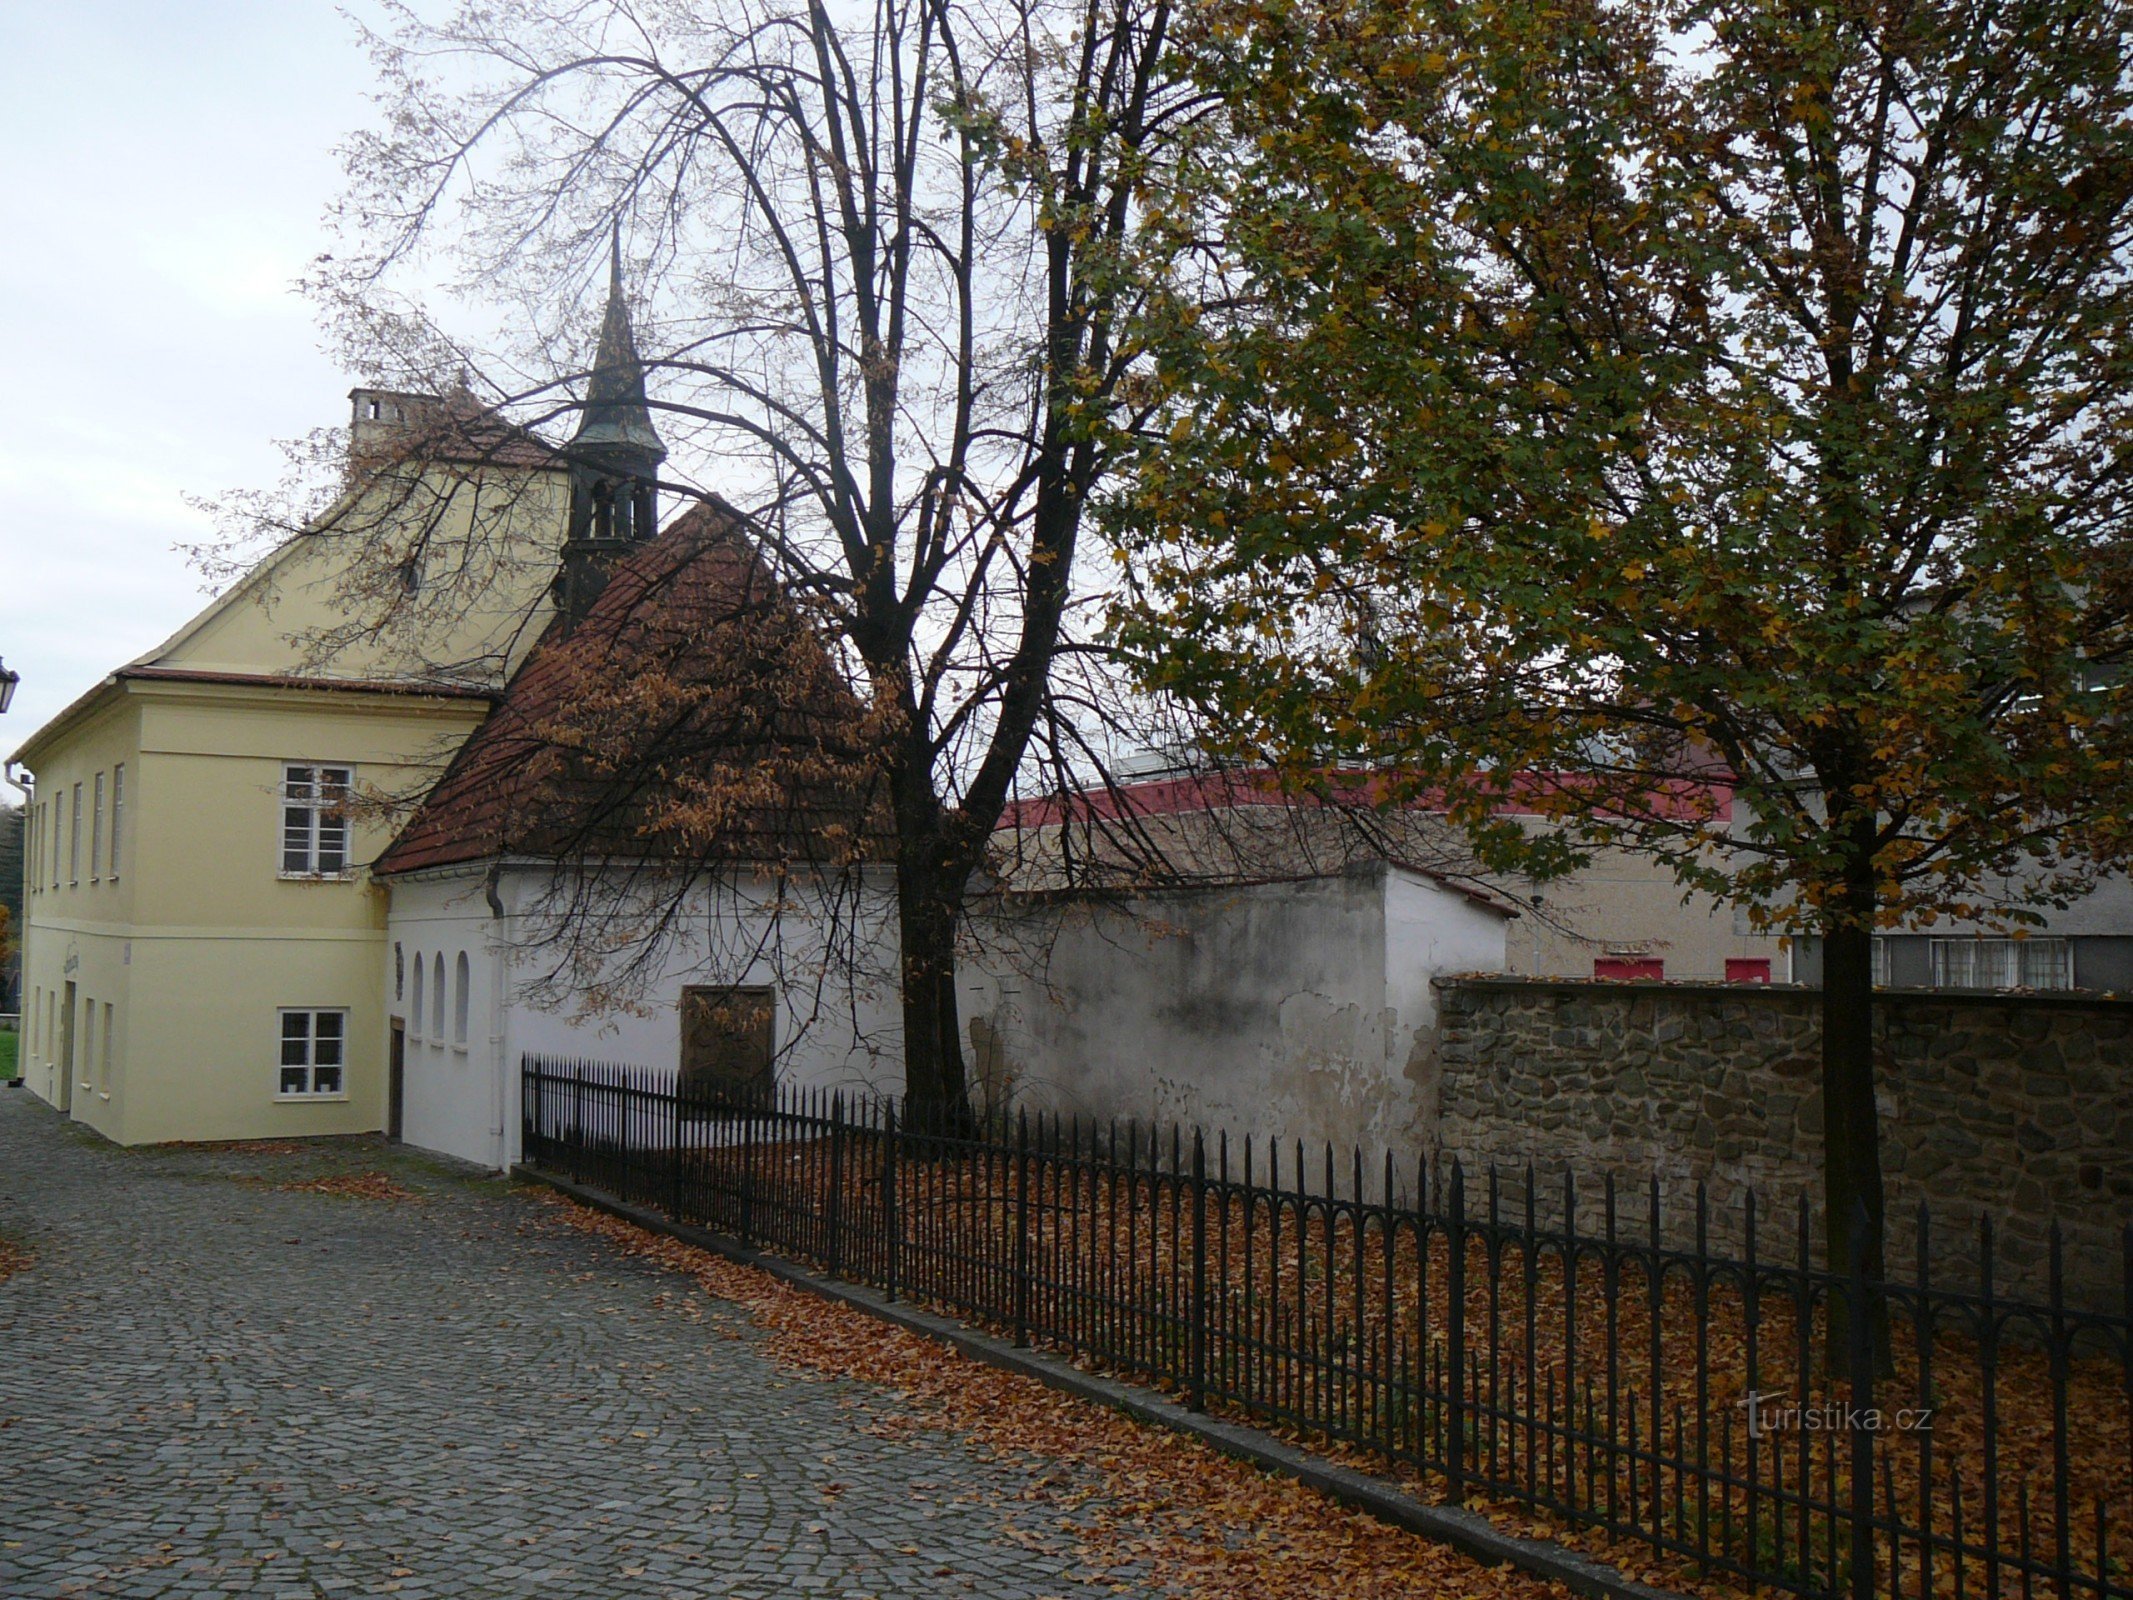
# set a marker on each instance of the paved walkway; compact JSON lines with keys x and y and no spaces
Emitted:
{"x":210,"y":1386}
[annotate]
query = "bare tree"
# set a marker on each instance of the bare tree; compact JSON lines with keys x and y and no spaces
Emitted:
{"x":888,"y":253}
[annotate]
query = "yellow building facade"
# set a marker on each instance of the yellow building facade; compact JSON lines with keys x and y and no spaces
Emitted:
{"x":204,"y":952}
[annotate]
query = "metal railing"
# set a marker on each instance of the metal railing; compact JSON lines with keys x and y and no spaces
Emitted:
{"x":1465,"y":1327}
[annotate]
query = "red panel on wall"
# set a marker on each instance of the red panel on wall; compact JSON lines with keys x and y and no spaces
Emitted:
{"x":1627,"y":967}
{"x":1747,"y":969}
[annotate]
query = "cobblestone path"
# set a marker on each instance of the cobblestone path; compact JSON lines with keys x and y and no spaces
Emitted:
{"x":213,"y":1386}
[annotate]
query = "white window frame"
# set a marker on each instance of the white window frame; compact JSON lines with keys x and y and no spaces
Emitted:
{"x":317,"y":793}
{"x":74,"y":843}
{"x":118,"y":811}
{"x":96,"y":831}
{"x":307,"y":1039}
{"x":2034,"y":963}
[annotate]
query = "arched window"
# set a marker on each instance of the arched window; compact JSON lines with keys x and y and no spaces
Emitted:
{"x":459,"y":1002}
{"x":399,"y":972}
{"x":437,"y":997}
{"x":415,"y":1010}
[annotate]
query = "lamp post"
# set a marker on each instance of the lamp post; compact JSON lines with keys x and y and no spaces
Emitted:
{"x":8,"y":680}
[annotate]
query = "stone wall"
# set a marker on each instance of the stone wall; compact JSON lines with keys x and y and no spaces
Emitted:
{"x":2020,"y":1107}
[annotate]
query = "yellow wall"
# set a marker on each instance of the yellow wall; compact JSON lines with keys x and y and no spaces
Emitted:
{"x":199,"y":941}
{"x":478,"y":606}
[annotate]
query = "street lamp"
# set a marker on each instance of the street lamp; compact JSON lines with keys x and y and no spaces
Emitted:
{"x":8,"y":680}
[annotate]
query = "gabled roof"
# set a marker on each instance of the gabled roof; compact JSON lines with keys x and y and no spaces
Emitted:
{"x":693,"y":714}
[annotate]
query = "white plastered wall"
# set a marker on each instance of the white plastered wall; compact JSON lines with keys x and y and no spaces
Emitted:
{"x":827,"y":951}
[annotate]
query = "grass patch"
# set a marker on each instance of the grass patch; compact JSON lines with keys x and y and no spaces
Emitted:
{"x":10,"y":1043}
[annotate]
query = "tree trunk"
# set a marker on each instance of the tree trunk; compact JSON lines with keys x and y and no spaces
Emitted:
{"x":1853,"y":1207}
{"x":935,"y":1090}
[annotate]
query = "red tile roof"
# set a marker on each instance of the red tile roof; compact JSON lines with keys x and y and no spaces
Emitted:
{"x":694,"y":714}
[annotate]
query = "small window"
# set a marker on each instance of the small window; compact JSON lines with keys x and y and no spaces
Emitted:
{"x":118,"y":813}
{"x":437,"y":997}
{"x":314,"y":1054}
{"x":415,"y":1013}
{"x":459,"y":1001}
{"x":314,"y":821}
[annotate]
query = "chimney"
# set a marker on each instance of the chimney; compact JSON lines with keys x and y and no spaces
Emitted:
{"x":382,"y":421}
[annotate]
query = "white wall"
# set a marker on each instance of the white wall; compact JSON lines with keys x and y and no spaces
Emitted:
{"x":827,"y":952}
{"x":1299,"y":1009}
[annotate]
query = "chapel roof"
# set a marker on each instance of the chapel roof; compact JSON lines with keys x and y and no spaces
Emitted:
{"x":693,"y":713}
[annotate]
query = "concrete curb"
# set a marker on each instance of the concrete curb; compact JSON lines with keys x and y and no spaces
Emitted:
{"x":1468,"y":1532}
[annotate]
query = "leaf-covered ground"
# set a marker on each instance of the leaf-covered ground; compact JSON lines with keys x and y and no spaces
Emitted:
{"x":1167,"y":1505}
{"x":354,"y":1186}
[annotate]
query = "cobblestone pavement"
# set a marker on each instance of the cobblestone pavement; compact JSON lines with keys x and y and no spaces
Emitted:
{"x":212,"y":1386}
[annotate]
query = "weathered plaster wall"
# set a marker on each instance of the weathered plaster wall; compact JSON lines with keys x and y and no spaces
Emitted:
{"x":2016,"y":1106}
{"x":1290,"y":1009}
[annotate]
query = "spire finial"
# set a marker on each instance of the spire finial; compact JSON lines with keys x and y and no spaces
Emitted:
{"x":616,"y":415}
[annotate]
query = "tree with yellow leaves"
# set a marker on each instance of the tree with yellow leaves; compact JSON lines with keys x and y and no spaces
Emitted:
{"x":1710,"y":420}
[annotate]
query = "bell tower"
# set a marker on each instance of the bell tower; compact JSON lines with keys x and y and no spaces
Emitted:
{"x":614,"y":460}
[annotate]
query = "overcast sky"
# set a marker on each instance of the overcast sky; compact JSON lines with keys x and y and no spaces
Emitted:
{"x":164,"y":166}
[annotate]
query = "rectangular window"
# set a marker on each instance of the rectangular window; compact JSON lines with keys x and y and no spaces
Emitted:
{"x":88,"y":1043}
{"x":118,"y":812}
{"x":58,"y":821}
{"x":314,"y":821}
{"x":314,"y":1054}
{"x":33,"y":841}
{"x":74,"y":841}
{"x":103,"y":1068}
{"x":2003,"y":964}
{"x":96,"y":832}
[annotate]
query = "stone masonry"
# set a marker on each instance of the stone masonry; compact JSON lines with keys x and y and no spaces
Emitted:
{"x":2017,"y":1107}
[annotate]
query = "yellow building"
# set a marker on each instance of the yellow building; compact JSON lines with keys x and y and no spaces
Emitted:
{"x":204,"y":950}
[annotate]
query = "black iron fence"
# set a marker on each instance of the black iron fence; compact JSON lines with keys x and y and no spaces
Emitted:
{"x":1464,"y":1326}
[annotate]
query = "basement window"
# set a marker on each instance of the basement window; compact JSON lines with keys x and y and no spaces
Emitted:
{"x":314,"y":1055}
